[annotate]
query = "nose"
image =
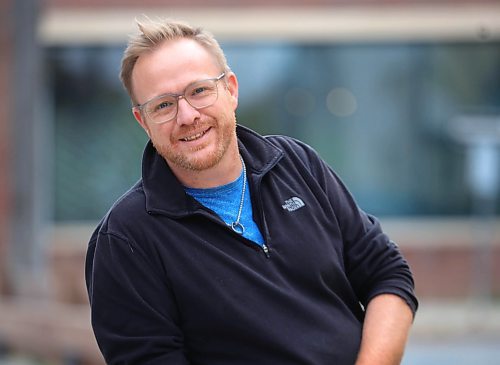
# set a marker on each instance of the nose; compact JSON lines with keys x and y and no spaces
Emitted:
{"x":186,"y":114}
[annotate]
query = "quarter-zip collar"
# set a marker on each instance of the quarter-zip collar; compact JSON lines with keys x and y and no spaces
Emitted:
{"x":165,"y":194}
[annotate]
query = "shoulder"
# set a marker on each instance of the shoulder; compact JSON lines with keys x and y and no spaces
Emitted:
{"x":287,"y":155}
{"x":286,"y":142}
{"x":127,"y":210}
{"x":298,"y":152}
{"x":312,"y":167}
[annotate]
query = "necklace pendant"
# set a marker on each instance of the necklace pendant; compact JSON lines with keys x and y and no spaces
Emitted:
{"x":238,"y":227}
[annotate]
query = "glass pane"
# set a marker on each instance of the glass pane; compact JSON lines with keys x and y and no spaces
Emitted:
{"x":378,"y":113}
{"x":98,"y":144}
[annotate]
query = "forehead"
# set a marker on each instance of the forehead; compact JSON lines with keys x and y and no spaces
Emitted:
{"x":172,"y":66}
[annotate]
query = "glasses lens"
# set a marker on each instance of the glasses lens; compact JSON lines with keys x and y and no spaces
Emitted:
{"x":199,"y":95}
{"x":202,"y":94}
{"x":162,"y":109}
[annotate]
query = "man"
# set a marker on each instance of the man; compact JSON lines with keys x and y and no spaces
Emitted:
{"x":235,"y":248}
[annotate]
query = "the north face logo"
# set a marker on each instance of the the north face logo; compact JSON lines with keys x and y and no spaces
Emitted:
{"x":293,"y":204}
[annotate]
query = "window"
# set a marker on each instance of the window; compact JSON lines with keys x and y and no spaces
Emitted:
{"x":378,"y":113}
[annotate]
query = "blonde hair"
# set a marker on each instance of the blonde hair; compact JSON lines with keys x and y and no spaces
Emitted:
{"x":153,"y":33}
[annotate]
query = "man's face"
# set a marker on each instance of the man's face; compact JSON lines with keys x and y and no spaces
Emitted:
{"x":194,"y":140}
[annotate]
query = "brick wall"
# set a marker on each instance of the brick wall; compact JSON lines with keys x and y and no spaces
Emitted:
{"x":450,"y":258}
{"x":445,"y":260}
{"x":452,"y":272}
{"x":441,"y":255}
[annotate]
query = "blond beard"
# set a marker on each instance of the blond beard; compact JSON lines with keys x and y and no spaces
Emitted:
{"x":226,"y":133}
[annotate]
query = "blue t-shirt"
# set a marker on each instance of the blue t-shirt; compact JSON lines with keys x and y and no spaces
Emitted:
{"x":225,"y":201}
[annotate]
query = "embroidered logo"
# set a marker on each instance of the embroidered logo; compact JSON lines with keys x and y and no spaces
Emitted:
{"x":293,"y":204}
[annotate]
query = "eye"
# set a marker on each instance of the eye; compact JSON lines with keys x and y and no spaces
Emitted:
{"x":201,"y":90}
{"x":162,"y":105}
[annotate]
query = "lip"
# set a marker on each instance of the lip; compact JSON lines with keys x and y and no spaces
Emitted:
{"x":195,"y":136}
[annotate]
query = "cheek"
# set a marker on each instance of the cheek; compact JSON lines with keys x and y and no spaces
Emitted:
{"x":230,"y":102}
{"x":228,"y":108}
{"x":161,"y":133}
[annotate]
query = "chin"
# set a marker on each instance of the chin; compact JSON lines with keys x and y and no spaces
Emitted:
{"x":198,"y":160}
{"x":206,"y":155}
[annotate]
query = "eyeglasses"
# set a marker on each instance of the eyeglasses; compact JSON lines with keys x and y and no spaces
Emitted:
{"x":199,"y":94}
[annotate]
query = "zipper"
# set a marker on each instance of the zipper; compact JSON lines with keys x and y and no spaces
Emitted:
{"x":266,"y":250}
{"x":252,"y":244}
{"x":260,"y":208}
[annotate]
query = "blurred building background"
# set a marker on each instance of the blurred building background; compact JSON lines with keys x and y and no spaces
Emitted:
{"x":401,"y":97}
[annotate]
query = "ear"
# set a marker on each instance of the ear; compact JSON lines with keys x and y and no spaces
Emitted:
{"x":138,"y":117}
{"x":232,"y":87}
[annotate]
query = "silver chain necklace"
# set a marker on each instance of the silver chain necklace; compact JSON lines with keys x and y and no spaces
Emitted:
{"x":236,"y":225}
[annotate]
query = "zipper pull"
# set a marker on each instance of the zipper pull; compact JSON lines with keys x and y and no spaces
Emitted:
{"x":266,"y":250}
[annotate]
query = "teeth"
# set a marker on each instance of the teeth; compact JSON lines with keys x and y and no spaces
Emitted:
{"x":192,"y":138}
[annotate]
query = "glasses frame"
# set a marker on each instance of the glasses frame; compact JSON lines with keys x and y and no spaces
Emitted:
{"x":141,"y":107}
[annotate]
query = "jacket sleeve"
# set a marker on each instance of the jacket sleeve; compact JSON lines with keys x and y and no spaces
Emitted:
{"x":373,"y":262}
{"x":133,"y":313}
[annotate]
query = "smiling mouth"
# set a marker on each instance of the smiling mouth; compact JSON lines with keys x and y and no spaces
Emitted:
{"x":195,"y":136}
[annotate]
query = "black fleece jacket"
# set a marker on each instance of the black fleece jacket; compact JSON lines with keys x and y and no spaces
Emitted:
{"x":170,"y":283}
